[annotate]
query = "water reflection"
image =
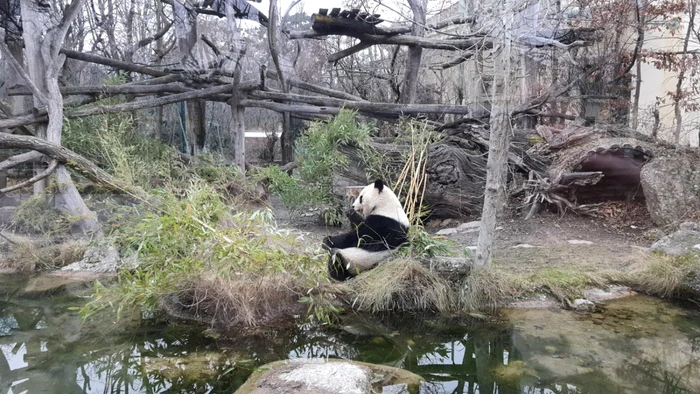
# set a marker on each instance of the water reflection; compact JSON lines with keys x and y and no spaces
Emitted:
{"x":46,"y":349}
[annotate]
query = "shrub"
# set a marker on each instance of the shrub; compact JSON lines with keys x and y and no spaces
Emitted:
{"x":225,"y":267}
{"x":318,"y":154}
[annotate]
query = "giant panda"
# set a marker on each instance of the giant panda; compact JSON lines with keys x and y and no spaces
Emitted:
{"x":380,"y":226}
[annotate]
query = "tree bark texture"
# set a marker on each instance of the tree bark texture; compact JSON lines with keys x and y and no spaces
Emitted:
{"x":410,"y":82}
{"x":43,"y":41}
{"x":499,"y":139}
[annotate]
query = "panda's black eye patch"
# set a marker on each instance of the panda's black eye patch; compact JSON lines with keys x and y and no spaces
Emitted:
{"x":360,"y":199}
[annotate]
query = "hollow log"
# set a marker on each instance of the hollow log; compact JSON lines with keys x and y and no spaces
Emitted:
{"x":456,"y":170}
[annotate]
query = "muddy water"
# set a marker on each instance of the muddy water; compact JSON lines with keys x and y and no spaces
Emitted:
{"x":635,"y":345}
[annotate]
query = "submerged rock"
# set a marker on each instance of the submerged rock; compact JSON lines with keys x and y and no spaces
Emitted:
{"x":189,"y":367}
{"x":321,"y":376}
{"x":43,"y":284}
{"x":583,"y":305}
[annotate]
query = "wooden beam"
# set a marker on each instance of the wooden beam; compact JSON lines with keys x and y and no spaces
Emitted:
{"x":315,"y":88}
{"x":348,"y":52}
{"x":364,"y":106}
{"x":121,"y":65}
{"x":131,"y":89}
{"x":126,"y":107}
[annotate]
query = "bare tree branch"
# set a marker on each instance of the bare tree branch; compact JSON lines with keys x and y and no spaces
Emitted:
{"x":453,"y":62}
{"x":23,"y":158}
{"x":142,"y":43}
{"x":118,"y":64}
{"x":422,"y":42}
{"x":348,"y":52}
{"x":131,"y":89}
{"x":331,"y":105}
{"x":32,"y":180}
{"x":315,"y":88}
{"x":20,"y":70}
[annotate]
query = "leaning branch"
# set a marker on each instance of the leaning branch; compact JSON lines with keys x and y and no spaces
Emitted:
{"x":23,"y":158}
{"x":32,"y":180}
{"x":348,"y":52}
{"x":331,"y":105}
{"x":315,"y":88}
{"x":118,"y":64}
{"x":66,"y":156}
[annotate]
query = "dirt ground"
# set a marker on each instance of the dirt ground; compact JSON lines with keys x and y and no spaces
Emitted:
{"x":613,"y":241}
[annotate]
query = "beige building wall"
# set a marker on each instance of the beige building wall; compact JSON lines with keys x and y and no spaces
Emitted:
{"x":655,"y":84}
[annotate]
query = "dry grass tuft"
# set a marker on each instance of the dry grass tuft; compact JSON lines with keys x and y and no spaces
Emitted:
{"x":244,"y":301}
{"x":487,"y":289}
{"x":663,"y":274}
{"x":28,"y":255}
{"x":398,"y":285}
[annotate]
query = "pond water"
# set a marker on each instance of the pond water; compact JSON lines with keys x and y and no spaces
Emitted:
{"x":636,"y":345}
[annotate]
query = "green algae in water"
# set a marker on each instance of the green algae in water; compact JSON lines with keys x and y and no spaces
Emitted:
{"x":636,"y":345}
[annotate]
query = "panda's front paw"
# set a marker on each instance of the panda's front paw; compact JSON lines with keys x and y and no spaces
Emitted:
{"x":327,"y":243}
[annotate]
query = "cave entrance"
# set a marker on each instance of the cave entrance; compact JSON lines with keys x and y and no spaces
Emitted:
{"x":621,"y":167}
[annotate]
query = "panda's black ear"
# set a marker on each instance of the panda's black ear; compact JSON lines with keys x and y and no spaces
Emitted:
{"x":379,"y":184}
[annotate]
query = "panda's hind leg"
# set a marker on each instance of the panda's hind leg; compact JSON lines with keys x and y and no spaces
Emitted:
{"x":337,"y":266}
{"x":348,"y":262}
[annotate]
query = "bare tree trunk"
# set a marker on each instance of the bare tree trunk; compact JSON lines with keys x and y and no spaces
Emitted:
{"x":16,"y":104}
{"x":239,"y":48}
{"x":678,"y":118}
{"x":638,"y":82}
{"x":196,"y":125}
{"x":499,"y":140}
{"x":159,"y":59}
{"x":33,"y":20}
{"x":186,"y":32}
{"x":287,"y":140}
{"x":45,"y":64}
{"x":410,"y":83}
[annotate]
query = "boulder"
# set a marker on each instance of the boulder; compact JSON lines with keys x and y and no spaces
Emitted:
{"x":680,"y":243}
{"x":100,"y":258}
{"x":327,"y":376}
{"x":671,"y":186}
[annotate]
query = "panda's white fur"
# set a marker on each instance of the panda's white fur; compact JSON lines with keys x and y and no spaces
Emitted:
{"x":381,"y":228}
{"x":371,"y":201}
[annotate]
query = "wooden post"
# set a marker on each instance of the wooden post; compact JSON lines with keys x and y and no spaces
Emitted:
{"x":238,"y":134}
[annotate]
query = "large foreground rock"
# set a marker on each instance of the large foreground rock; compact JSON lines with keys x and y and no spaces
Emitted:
{"x":681,"y":243}
{"x":321,"y":376}
{"x":672,"y":187}
{"x":685,"y":242}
